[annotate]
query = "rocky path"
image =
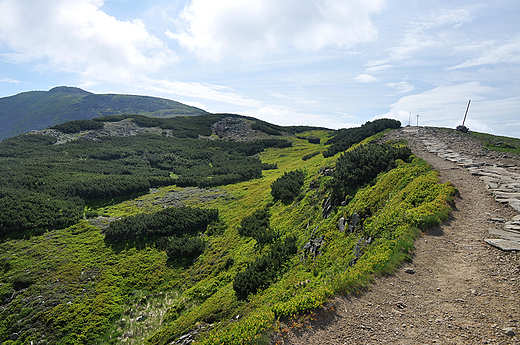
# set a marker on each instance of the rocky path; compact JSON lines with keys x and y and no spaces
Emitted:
{"x":458,"y":289}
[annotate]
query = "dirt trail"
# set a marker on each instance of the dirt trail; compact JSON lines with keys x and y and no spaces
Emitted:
{"x":462,"y":291}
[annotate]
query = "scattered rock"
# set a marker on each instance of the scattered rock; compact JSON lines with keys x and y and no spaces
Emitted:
{"x":509,"y":331}
{"x":409,"y":270}
{"x":314,"y":245}
{"x":401,"y":305}
{"x":342,"y":224}
{"x":354,"y":222}
{"x":327,"y":207}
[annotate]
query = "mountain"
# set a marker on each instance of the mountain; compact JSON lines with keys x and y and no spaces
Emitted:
{"x":35,"y":110}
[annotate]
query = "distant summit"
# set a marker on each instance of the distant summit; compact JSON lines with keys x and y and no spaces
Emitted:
{"x":32,"y":110}
{"x":69,"y":90}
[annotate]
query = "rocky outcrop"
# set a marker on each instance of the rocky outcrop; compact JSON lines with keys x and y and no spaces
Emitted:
{"x":232,"y":128}
{"x":314,"y":245}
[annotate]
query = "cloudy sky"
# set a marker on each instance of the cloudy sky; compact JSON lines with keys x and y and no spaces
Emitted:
{"x":333,"y":63}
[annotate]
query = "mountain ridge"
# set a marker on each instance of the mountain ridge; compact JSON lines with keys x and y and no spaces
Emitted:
{"x":36,"y":110}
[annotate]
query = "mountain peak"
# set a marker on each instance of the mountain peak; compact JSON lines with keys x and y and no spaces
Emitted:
{"x":70,"y":90}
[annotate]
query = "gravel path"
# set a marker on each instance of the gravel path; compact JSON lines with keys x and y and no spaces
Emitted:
{"x":457,"y":290}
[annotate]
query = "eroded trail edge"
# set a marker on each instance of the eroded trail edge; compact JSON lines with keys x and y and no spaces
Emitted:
{"x":457,"y":290}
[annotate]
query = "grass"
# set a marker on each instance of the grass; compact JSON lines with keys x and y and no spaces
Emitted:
{"x":93,"y":293}
{"x":498,"y":143}
{"x":493,"y":142}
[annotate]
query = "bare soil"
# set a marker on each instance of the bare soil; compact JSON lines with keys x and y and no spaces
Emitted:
{"x":459,"y":290}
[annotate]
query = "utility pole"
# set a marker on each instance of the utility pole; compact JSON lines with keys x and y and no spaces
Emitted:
{"x":418,"y":119}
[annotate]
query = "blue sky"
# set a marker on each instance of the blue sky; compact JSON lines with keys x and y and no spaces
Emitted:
{"x":327,"y":63}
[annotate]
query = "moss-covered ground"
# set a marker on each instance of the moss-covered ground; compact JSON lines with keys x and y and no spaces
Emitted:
{"x":69,"y":287}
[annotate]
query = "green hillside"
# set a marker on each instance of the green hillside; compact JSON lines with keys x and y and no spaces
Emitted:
{"x":32,"y":110}
{"x":186,"y":231}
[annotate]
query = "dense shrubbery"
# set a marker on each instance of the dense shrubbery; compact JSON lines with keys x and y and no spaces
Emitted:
{"x":168,"y":222}
{"x":60,"y":179}
{"x":78,"y":126}
{"x":267,"y":128}
{"x":109,"y":187}
{"x":310,"y":155}
{"x":174,"y":230}
{"x":257,"y":227}
{"x":264,"y":270}
{"x":345,"y":138}
{"x":273,"y":129}
{"x":22,"y":211}
{"x":311,"y":140}
{"x":287,"y":187}
{"x":185,"y":248}
{"x":363,"y":164}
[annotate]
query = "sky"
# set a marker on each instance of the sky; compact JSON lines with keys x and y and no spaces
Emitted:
{"x":330,"y":63}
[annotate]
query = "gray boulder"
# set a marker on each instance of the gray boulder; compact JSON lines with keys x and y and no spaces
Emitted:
{"x":342,"y":224}
{"x":354,"y":222}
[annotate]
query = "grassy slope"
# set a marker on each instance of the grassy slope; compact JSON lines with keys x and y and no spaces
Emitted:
{"x":498,"y":143}
{"x":92,"y":292}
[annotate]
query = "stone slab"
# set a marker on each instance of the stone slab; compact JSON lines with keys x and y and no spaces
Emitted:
{"x":515,"y":205}
{"x":504,"y":245}
{"x":506,"y":195}
{"x":512,"y":228}
{"x":489,"y":180}
{"x":506,"y":235}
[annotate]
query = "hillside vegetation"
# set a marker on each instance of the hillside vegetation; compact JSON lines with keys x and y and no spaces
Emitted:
{"x":32,"y":110}
{"x":153,"y":237}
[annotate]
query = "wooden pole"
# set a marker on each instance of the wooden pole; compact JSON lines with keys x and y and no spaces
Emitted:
{"x":466,"y":114}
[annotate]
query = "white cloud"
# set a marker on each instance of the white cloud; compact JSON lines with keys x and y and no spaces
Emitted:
{"x":10,"y":81}
{"x":250,"y":29}
{"x":504,"y":52}
{"x":365,"y":78}
{"x":197,"y":90}
{"x":287,"y":116}
{"x":378,"y":68}
{"x":443,"y":106}
{"x":299,"y":100}
{"x":428,"y":32}
{"x":402,"y":86}
{"x":77,"y":36}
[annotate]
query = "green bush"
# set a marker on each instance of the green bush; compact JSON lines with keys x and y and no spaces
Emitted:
{"x":78,"y":126}
{"x":345,"y":138}
{"x":165,"y":223}
{"x":257,"y":227}
{"x":310,"y":155}
{"x":362,"y":165}
{"x":185,"y":248}
{"x":22,"y":281}
{"x":264,"y":270}
{"x":287,"y":187}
